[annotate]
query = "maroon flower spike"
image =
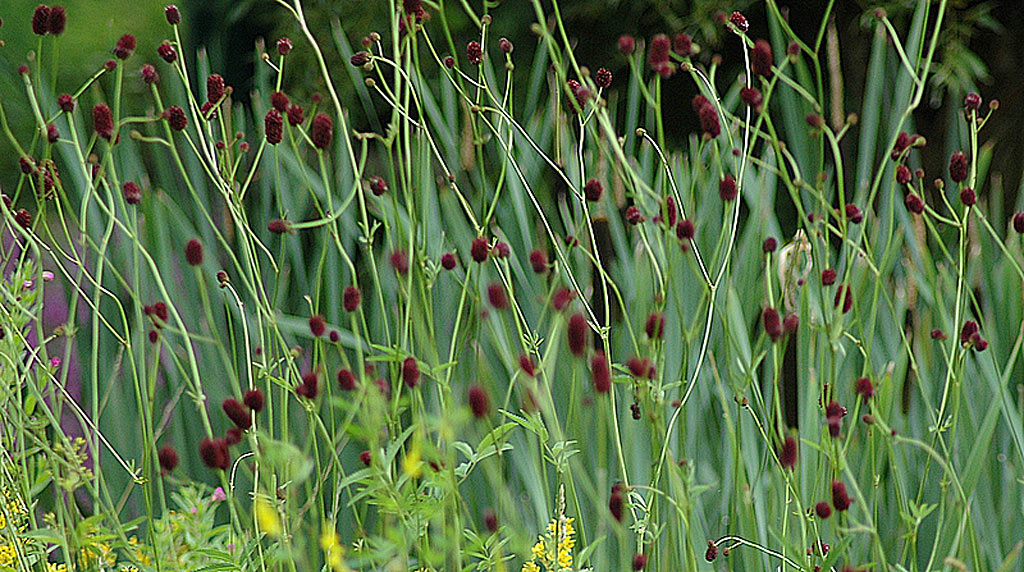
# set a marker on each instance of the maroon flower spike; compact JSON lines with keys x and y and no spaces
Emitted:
{"x":640,"y":367}
{"x":491,"y":520}
{"x":967,"y":197}
{"x":378,"y":186}
{"x":727,"y":188}
{"x":412,"y":7}
{"x":233,"y":436}
{"x":791,"y":324}
{"x":350,"y":299}
{"x":561,"y":298}
{"x":309,"y":387}
{"x":969,"y":330}
{"x":474,"y":52}
{"x":846,"y":299}
{"x":478,"y":402}
{"x":740,"y":21}
{"x":109,"y":65}
{"x":502,"y":250}
{"x":166,"y":52}
{"x":448,"y":261}
{"x":57,"y":20}
{"x":149,"y":75}
{"x":914,"y":203}
{"x":214,"y":453}
{"x":23,"y":218}
{"x":254,"y":400}
{"x":639,"y":561}
{"x":103,"y":121}
{"x":788,"y":453}
{"x":52,"y":135}
{"x":317,"y":327}
{"x":479,"y":249}
{"x":698,"y":102}
{"x":41,"y":20}
{"x":496,"y":296}
{"x":751,"y":97}
{"x":400,"y":262}
{"x":449,"y":62}
{"x":296,"y":115}
{"x":901,"y":145}
{"x":279,"y":226}
{"x":125,"y":47}
{"x":670,"y":211}
{"x":360,"y":59}
{"x":577,"y":334}
{"x":633,"y":216}
{"x":284,"y":45}
{"x":603,"y":78}
{"x":972,"y":102}
{"x":655,"y":327}
{"x":840,"y":500}
{"x":194,"y":252}
{"x":322,"y":130}
{"x":938,"y":334}
{"x":627,"y":45}
{"x":214,"y":88}
{"x":684,"y":230}
{"x":172,"y":14}
{"x":592,"y":190}
{"x":505,"y":46}
{"x":834,"y":410}
{"x":280,"y":101}
{"x":709,"y":121}
{"x":828,"y":277}
{"x":712,"y":552}
{"x":601,"y":372}
{"x":769,"y":245}
{"x":346,"y":380}
{"x":615,"y":505}
{"x":682,"y":44}
{"x":539,"y":261}
{"x":365,"y":458}
{"x":168,"y":458}
{"x":823,"y":510}
{"x":237,"y":413}
{"x":66,"y":103}
{"x":854,"y":214}
{"x":527,"y":365}
{"x":273,"y":126}
{"x":410,"y":372}
{"x":864,"y":388}
{"x":160,"y":311}
{"x":761,"y":59}
{"x":772,"y":324}
{"x":1018,"y":222}
{"x":658,"y":53}
{"x":903,"y":174}
{"x":958,"y":167}
{"x":132,"y":193}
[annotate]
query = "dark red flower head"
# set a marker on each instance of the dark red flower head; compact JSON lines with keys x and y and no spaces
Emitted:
{"x":176,"y":118}
{"x":615,"y":505}
{"x":967,"y":197}
{"x":149,"y":74}
{"x":790,"y":324}
{"x":684,"y":230}
{"x":478,"y":402}
{"x":479,"y":249}
{"x":592,"y":190}
{"x":1018,"y":222}
{"x":214,"y":88}
{"x":378,"y":186}
{"x":561,"y":298}
{"x":279,"y":226}
{"x":66,"y":103}
{"x":132,"y":193}
{"x":284,"y":45}
{"x":172,"y":14}
{"x":296,"y":115}
{"x":603,"y":78}
{"x":627,"y":44}
{"x":309,"y":387}
{"x":751,"y":97}
{"x":502,"y":250}
{"x":914,"y":203}
{"x":712,"y":552}
{"x":125,"y":47}
{"x":772,"y":323}
{"x":448,"y":261}
{"x":322,"y":130}
{"x":410,"y":372}
{"x":727,"y":188}
{"x":214,"y":453}
{"x":769,"y":245}
{"x":400,"y":261}
{"x":346,"y":380}
{"x":496,"y":295}
{"x":166,"y":52}
{"x":237,"y":413}
{"x":474,"y":52}
{"x":57,"y":20}
{"x":350,"y":299}
{"x":359,"y":59}
{"x":539,"y":261}
{"x":740,"y":21}
{"x":505,"y":45}
{"x":843,"y":296}
{"x":969,"y":330}
{"x":823,"y":510}
{"x":317,"y":327}
{"x":577,"y":334}
{"x":709,"y":121}
{"x":840,"y":500}
{"x":527,"y":365}
{"x":41,"y":20}
{"x":972,"y":102}
{"x":601,"y":372}
{"x":828,"y":277}
{"x":655,"y":326}
{"x":168,"y":458}
{"x":279,"y":101}
{"x":491,"y":520}
{"x":273,"y":126}
{"x":682,"y":44}
{"x":634,"y":216}
{"x":365,"y":458}
{"x":254,"y":400}
{"x":658,"y":52}
{"x":854,"y":213}
{"x":864,"y":388}
{"x":788,"y":453}
{"x":958,"y":165}
{"x":103,"y":121}
{"x":194,"y":252}
{"x":639,"y":561}
{"x":761,"y":59}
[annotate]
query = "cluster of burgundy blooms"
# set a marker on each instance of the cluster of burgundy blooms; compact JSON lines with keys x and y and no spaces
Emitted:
{"x":214,"y":452}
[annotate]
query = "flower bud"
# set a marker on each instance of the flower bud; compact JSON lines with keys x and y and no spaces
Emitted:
{"x":125,"y":47}
{"x":322,"y":130}
{"x":577,"y":334}
{"x":284,"y":45}
{"x":194,"y":252}
{"x":410,"y":372}
{"x":273,"y":126}
{"x":172,"y":14}
{"x":254,"y":400}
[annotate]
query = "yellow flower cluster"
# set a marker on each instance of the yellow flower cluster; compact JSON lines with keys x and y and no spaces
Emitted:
{"x":554,"y":548}
{"x":333,"y":550}
{"x":12,"y":516}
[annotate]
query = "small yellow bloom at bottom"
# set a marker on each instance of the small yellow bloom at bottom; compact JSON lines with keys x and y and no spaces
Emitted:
{"x":333,"y":550}
{"x":531,"y":566}
{"x":412,"y":463}
{"x":267,"y":519}
{"x":54,"y":567}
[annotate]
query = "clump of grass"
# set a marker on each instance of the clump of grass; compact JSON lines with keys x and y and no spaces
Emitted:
{"x":425,"y":338}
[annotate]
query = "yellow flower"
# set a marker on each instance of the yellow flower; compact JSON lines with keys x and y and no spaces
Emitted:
{"x":531,"y":566}
{"x":267,"y":519}
{"x":7,"y":554}
{"x":412,"y":463}
{"x":333,"y":550}
{"x":57,"y":567}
